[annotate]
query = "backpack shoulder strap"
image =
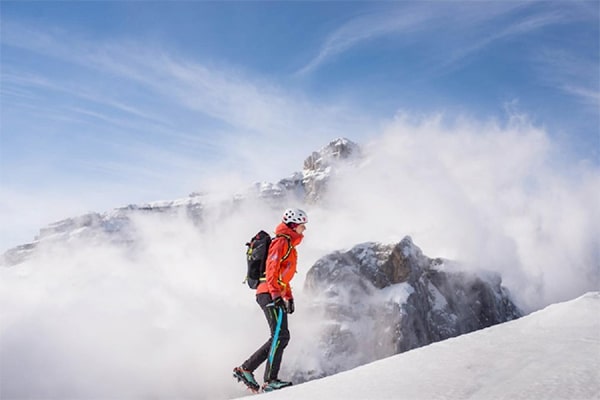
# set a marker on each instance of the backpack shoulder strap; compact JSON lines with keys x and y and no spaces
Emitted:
{"x":290,"y":247}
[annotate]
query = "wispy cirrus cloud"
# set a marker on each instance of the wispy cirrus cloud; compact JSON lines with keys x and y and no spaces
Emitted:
{"x":222,"y":93}
{"x":125,"y":83}
{"x":404,"y":20}
{"x":482,"y":37}
{"x":572,"y":74}
{"x":465,"y":28}
{"x":364,"y":28}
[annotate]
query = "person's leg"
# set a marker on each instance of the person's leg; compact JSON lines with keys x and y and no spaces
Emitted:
{"x":244,"y":373}
{"x":260,"y":355}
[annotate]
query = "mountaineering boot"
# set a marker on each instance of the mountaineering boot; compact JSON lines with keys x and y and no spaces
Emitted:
{"x":275,"y":384}
{"x":247,"y":378}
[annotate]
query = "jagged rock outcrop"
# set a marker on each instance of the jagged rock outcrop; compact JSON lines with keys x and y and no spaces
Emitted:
{"x":319,"y":166}
{"x":310,"y":185}
{"x":379,"y":300}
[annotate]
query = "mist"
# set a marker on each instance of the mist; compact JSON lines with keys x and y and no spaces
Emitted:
{"x":169,"y":316}
{"x":495,"y":196}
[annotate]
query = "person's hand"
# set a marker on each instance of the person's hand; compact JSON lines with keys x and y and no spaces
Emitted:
{"x":289,"y":306}
{"x":278,"y":302}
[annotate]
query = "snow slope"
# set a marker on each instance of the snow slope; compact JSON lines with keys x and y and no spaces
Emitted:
{"x":550,"y":354}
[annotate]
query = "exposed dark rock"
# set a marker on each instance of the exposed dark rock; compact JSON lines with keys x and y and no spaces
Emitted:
{"x":406,"y":300}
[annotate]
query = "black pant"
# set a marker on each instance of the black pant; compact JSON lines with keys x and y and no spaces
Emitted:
{"x":262,"y":354}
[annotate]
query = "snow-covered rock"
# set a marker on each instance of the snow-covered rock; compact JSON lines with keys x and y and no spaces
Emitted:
{"x":380,"y":300}
{"x":319,"y":166}
{"x":310,"y":185}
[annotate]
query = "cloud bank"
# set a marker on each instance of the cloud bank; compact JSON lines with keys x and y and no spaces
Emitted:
{"x":493,"y":195}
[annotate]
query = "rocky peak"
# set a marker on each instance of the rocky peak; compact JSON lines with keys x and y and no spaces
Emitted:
{"x":319,"y":166}
{"x":310,"y":185}
{"x":336,"y":150}
{"x":406,"y":299}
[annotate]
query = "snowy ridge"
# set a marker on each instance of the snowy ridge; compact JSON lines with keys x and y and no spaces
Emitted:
{"x":550,"y":354}
{"x":115,"y":225}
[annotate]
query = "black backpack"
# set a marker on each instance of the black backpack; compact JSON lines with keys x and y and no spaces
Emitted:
{"x":256,"y":255}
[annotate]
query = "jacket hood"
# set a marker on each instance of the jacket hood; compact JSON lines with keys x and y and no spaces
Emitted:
{"x":283,"y":229}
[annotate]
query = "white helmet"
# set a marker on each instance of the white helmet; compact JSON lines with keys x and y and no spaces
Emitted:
{"x":294,"y":215}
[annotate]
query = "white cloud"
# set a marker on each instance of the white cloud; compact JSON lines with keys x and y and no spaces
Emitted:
{"x":463,"y":28}
{"x":364,"y":28}
{"x":238,"y":100}
{"x":491,"y":195}
{"x":573,"y":74}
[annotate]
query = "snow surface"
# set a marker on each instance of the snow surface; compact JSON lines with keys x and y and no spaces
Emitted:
{"x":550,"y":354}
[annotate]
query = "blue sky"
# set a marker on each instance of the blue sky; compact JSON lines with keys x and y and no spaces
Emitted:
{"x":110,"y":103}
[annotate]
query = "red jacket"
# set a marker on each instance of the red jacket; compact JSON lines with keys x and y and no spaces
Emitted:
{"x":278,"y":273}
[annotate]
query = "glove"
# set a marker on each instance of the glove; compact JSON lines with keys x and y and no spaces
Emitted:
{"x":278,"y":302}
{"x":289,"y":306}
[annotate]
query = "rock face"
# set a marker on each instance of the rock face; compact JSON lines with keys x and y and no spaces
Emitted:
{"x":310,"y":185}
{"x":379,"y":300}
{"x":319,"y":166}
